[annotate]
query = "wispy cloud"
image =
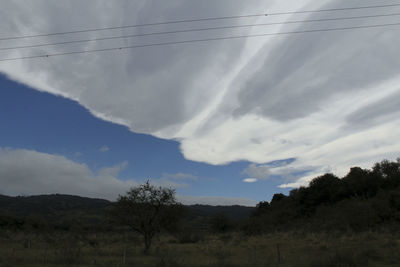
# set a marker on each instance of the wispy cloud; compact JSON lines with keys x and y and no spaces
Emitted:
{"x":29,"y":172}
{"x":216,"y":200}
{"x":285,"y":170}
{"x":250,"y":180}
{"x":175,"y":180}
{"x":104,"y":149}
{"x":327,"y":99}
{"x":77,"y":154}
{"x":180,"y":176}
{"x":257,"y":172}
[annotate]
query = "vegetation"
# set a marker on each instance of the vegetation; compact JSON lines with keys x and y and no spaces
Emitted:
{"x":147,"y":210}
{"x":214,"y":250}
{"x":363,"y":200}
{"x":348,"y":221}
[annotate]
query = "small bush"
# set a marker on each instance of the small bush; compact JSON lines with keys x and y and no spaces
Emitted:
{"x":189,"y":237}
{"x":341,"y":258}
{"x":220,"y":223}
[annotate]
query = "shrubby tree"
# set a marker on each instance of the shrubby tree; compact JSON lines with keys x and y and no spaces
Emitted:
{"x":261,"y":209}
{"x":220,"y":223}
{"x":389,"y":172}
{"x":324,"y":189}
{"x":277,"y":198}
{"x":147,"y":210}
{"x":361,"y":183}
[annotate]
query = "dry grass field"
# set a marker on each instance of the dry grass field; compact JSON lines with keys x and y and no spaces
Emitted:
{"x":365,"y":249}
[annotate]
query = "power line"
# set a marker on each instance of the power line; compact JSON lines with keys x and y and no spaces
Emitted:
{"x":331,"y":9}
{"x":200,"y":40}
{"x":197,"y":30}
{"x":198,"y":20}
{"x":132,"y":26}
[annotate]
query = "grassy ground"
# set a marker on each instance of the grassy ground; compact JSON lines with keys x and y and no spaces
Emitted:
{"x":365,"y":249}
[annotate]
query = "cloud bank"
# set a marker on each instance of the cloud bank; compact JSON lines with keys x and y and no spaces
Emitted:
{"x":29,"y":172}
{"x":330,"y":100}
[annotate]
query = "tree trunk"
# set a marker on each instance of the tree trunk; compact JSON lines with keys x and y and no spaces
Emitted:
{"x":147,"y":243}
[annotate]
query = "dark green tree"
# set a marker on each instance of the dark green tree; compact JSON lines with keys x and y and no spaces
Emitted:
{"x":261,"y":209}
{"x":361,"y":183}
{"x":220,"y":223}
{"x":324,"y":189}
{"x":147,"y":210}
{"x":389,"y":172}
{"x":277,"y":198}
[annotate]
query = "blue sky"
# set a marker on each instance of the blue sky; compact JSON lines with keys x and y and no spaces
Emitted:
{"x":227,"y":121}
{"x":51,"y":124}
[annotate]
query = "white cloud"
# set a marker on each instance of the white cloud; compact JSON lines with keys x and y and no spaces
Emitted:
{"x":27,"y":172}
{"x":164,"y":182}
{"x":258,"y":171}
{"x":250,"y":180}
{"x":104,"y":149}
{"x":326,"y":99}
{"x":215,"y":200}
{"x":175,"y":180}
{"x":286,"y":170}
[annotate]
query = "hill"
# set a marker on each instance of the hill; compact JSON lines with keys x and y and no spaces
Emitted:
{"x":49,"y":205}
{"x":67,"y":210}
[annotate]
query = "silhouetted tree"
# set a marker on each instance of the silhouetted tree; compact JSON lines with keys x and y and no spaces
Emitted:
{"x":361,"y":183}
{"x":363,"y":199}
{"x":389,"y":173}
{"x":261,"y":209}
{"x":387,"y":168}
{"x":220,"y":223}
{"x":277,"y":197}
{"x":147,"y":210}
{"x":324,"y":189}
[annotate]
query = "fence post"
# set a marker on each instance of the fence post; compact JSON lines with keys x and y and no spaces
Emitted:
{"x":124,"y":257}
{"x":278,"y":251}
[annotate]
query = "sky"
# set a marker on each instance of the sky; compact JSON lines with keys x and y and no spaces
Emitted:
{"x":224,"y":122}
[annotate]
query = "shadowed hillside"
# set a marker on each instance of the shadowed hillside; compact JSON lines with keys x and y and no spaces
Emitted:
{"x":50,"y":205}
{"x":64,"y":211}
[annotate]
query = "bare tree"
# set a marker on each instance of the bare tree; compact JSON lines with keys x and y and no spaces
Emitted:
{"x":147,"y":210}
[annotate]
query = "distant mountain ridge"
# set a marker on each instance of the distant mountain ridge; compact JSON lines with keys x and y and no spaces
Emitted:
{"x":49,"y":204}
{"x":57,"y":205}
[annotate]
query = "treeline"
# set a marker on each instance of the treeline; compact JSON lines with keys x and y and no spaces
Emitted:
{"x":362,"y":200}
{"x":365,"y":199}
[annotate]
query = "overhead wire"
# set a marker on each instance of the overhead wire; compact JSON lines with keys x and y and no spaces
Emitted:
{"x":198,"y":20}
{"x":332,"y":9}
{"x":197,"y":30}
{"x":201,"y":40}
